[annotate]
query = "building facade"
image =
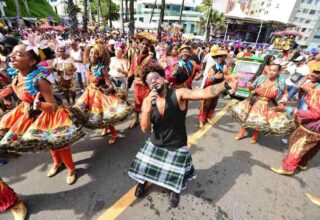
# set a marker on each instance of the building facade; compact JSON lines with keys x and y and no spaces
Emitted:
{"x":304,"y":14}
{"x":190,"y":17}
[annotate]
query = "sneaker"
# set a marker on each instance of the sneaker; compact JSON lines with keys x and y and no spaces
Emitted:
{"x":140,"y":189}
{"x":3,"y":162}
{"x":174,"y":199}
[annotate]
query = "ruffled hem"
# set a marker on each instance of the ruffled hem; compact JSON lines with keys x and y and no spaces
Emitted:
{"x":287,"y":128}
{"x":83,"y":117}
{"x":36,"y":145}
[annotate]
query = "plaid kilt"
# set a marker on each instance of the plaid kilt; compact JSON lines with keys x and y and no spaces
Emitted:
{"x":163,"y":167}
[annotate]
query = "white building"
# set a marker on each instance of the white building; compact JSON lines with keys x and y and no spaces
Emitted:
{"x":190,"y":17}
{"x":302,"y":13}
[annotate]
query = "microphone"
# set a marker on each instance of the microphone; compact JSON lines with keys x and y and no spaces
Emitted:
{"x":154,"y":89}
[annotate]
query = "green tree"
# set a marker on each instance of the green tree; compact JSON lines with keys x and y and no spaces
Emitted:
{"x":211,"y":18}
{"x":72,"y":10}
{"x":107,"y":12}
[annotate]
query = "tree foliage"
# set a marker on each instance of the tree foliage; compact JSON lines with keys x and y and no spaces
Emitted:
{"x":114,"y":13}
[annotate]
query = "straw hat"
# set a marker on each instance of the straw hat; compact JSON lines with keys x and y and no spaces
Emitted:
{"x":213,"y":50}
{"x":146,"y":36}
{"x":221,"y":53}
{"x":184,"y":46}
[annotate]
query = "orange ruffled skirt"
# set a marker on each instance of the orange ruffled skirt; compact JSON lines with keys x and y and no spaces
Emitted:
{"x":21,"y":134}
{"x":98,"y":110}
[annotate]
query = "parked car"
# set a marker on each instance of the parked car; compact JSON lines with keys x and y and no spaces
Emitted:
{"x":248,"y":68}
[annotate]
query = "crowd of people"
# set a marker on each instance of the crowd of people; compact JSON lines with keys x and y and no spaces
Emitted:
{"x":53,"y":86}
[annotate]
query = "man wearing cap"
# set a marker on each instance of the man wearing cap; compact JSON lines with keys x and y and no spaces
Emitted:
{"x":298,"y":72}
{"x":216,"y":75}
{"x":208,"y":62}
{"x":185,"y":70}
{"x":138,"y":64}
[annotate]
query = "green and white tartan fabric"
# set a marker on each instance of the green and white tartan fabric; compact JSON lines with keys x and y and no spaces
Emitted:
{"x":160,"y":166}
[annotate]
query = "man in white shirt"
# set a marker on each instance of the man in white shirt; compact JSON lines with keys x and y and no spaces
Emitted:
{"x":207,"y":63}
{"x":77,"y":56}
{"x":298,"y":73}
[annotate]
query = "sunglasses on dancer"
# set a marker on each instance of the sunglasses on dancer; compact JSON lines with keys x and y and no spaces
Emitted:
{"x":152,"y":77}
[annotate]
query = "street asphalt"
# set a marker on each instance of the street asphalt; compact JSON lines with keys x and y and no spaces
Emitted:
{"x":233,"y":179}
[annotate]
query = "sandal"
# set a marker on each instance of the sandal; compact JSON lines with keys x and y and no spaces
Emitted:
{"x":133,"y":124}
{"x":113,"y":139}
{"x":54,"y":170}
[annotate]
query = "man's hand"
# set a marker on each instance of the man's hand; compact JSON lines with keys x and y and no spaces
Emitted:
{"x":148,"y":101}
{"x":218,"y":75}
{"x":279,"y":108}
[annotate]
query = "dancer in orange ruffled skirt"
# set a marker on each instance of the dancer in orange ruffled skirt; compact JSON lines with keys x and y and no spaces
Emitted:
{"x":38,"y":122}
{"x":99,"y":106}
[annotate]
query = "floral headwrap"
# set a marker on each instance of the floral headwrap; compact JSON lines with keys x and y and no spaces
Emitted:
{"x":36,"y":44}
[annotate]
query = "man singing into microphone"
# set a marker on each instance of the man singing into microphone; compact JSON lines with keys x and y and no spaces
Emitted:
{"x":165,"y":160}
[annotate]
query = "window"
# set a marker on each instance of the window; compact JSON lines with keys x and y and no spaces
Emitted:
{"x":309,"y":1}
{"x":316,"y":36}
{"x":251,"y":12}
{"x":262,"y":3}
{"x":308,"y":21}
{"x":295,"y":19}
{"x":299,"y":10}
{"x":303,"y":29}
{"x":312,"y":12}
{"x":301,"y":20}
{"x":305,"y":11}
{"x":303,"y":1}
{"x":299,"y":38}
{"x":305,"y":38}
{"x":260,"y":10}
{"x":141,"y":19}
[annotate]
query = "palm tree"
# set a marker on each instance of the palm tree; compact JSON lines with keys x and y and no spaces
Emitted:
{"x":121,"y":17}
{"x":85,"y":16}
{"x":18,"y":12}
{"x":154,"y":6}
{"x":181,"y":11}
{"x":127,"y":10}
{"x":73,"y":17}
{"x":109,"y":12}
{"x":131,"y":23}
{"x":161,"y":17}
{"x":216,"y":20}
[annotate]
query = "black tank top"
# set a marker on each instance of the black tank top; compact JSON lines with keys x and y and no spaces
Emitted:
{"x":169,"y":130}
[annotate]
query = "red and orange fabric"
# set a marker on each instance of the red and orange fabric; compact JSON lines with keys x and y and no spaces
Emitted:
{"x":97,"y":109}
{"x":8,"y":197}
{"x":304,"y":142}
{"x":138,"y":64}
{"x":260,"y":115}
{"x":19,"y":132}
